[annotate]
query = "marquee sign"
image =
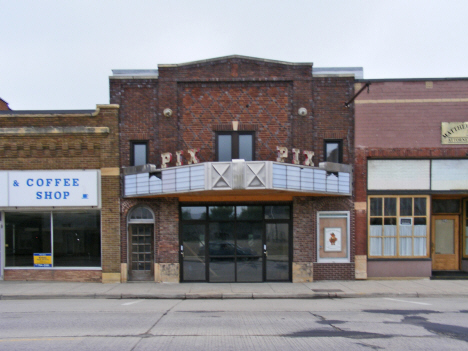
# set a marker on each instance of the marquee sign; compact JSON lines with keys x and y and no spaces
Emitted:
{"x":49,"y":188}
{"x":454,"y":133}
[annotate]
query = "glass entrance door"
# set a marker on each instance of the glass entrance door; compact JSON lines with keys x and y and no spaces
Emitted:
{"x":277,"y":251}
{"x":445,"y":252}
{"x":235,"y":243}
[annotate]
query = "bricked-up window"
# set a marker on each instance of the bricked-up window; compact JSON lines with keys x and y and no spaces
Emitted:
{"x":235,"y":145}
{"x":72,"y":238}
{"x":139,"y":153}
{"x":398,"y":226}
{"x":333,"y":151}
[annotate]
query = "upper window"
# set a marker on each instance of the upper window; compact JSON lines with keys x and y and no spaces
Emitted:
{"x":235,"y":145}
{"x":398,"y":226}
{"x":139,"y":153}
{"x":334,"y":151}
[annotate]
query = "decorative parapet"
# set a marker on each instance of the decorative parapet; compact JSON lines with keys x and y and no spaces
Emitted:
{"x":329,"y":178}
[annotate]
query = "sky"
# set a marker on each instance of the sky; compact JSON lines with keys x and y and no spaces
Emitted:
{"x":57,"y":54}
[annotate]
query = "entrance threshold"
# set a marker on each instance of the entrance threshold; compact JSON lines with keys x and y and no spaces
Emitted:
{"x":449,"y":275}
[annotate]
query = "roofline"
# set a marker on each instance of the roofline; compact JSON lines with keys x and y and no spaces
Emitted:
{"x":382,"y":80}
{"x":57,"y":113}
{"x":236,"y":57}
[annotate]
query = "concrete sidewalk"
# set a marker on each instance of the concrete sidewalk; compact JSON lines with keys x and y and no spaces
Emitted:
{"x":17,"y":290}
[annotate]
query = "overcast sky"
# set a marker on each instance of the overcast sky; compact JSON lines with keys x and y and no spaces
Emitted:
{"x":60,"y":54}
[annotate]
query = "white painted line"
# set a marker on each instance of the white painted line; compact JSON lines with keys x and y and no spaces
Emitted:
{"x":131,"y":303}
{"x":418,"y":303}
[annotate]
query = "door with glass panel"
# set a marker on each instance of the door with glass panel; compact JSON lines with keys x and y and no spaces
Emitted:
{"x":141,"y":244}
{"x":235,"y":243}
{"x":445,"y":243}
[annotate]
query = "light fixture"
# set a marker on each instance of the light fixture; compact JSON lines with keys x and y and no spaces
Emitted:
{"x":167,"y":112}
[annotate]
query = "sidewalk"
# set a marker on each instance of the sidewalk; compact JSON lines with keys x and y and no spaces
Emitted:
{"x":19,"y":290}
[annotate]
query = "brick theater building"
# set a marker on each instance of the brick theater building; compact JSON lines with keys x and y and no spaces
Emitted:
{"x":411,"y":182}
{"x":236,"y":169}
{"x":59,"y":195}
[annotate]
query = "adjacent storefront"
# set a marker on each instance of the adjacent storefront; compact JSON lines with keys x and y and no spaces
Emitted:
{"x":51,"y":220}
{"x":59,"y":190}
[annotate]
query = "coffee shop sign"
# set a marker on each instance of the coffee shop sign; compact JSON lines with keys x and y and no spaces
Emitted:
{"x":52,"y":188}
{"x":166,"y":157}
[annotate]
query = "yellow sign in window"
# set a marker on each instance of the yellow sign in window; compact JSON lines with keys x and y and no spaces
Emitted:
{"x":42,"y":260}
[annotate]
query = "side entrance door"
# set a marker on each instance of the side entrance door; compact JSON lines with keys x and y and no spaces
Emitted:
{"x":445,"y":243}
{"x":141,"y":256}
{"x":141,"y":244}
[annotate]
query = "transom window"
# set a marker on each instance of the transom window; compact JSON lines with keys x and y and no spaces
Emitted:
{"x":235,"y":145}
{"x":398,"y":226}
{"x":140,"y":214}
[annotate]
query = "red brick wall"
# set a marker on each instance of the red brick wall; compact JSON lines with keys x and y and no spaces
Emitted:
{"x":166,"y":228}
{"x":4,"y":105}
{"x":399,"y":128}
{"x":332,"y":120}
{"x":53,"y":275}
{"x":263,"y":97}
{"x":305,"y":235}
{"x":261,"y":107}
{"x":399,"y":124}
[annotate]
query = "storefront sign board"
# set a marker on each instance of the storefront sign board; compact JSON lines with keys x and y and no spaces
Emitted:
{"x":454,"y":133}
{"x":53,"y":188}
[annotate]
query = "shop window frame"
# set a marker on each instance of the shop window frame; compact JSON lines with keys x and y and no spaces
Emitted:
{"x":398,"y":217}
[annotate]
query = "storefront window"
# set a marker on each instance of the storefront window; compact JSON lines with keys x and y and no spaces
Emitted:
{"x":398,"y":226}
{"x":75,"y":236}
{"x":25,"y":235}
{"x":77,"y":240}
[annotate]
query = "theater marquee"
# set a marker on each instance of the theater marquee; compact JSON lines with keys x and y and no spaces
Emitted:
{"x":454,"y":133}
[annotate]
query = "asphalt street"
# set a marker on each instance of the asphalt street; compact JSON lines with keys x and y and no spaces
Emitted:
{"x":215,"y":324}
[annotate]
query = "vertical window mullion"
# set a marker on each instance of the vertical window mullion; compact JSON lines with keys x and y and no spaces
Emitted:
{"x":235,"y":145}
{"x":52,"y":237}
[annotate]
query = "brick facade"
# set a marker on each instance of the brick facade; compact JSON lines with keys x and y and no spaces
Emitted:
{"x":27,"y":143}
{"x":4,"y":105}
{"x":262,"y":96}
{"x":401,"y":119}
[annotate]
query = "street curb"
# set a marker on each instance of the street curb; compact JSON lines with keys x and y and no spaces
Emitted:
{"x":229,"y":296}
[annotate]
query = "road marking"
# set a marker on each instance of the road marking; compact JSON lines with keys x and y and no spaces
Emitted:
{"x":418,"y":303}
{"x":131,"y":303}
